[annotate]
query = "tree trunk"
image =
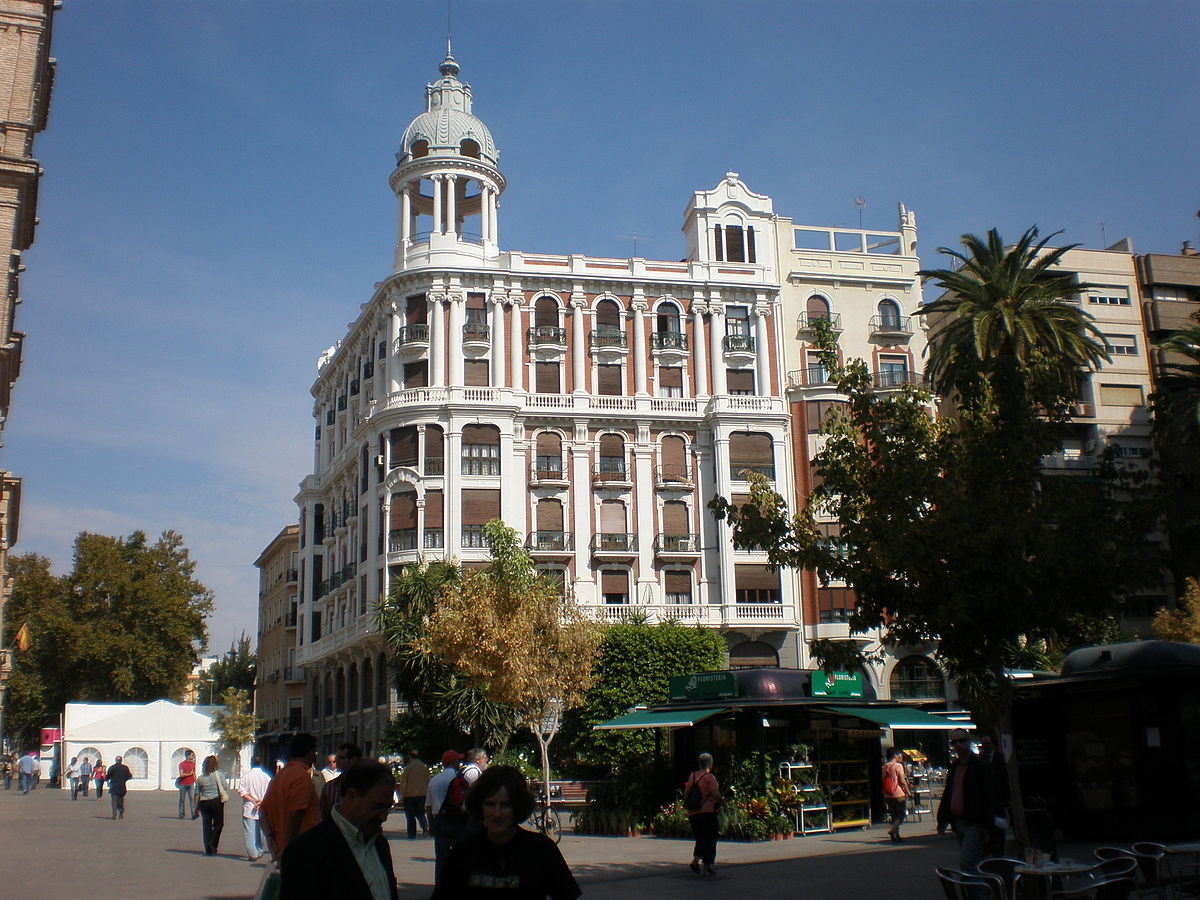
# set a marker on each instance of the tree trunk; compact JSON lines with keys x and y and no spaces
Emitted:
{"x":1016,"y":799}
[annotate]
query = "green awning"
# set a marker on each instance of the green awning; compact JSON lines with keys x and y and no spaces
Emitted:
{"x":658,"y":718}
{"x":903,"y":717}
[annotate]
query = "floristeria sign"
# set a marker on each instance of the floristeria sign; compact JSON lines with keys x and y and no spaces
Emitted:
{"x":836,"y":684}
{"x":702,"y":686}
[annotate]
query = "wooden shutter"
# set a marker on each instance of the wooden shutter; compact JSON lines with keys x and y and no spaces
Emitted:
{"x":755,"y":578}
{"x":751,"y":449}
{"x":670,"y":377}
{"x":481,"y":434}
{"x":677,"y":581}
{"x":674,"y":452}
{"x":404,"y":446}
{"x":614,"y":581}
{"x":608,"y":381}
{"x":608,"y":315}
{"x":546,"y":311}
{"x":404,"y":511}
{"x":612,"y":445}
{"x":547,"y":378}
{"x":612,"y":517}
{"x":416,"y":375}
{"x":740,"y":381}
{"x":675,"y":518}
{"x":549,"y":444}
{"x":434,"y":509}
{"x":479,"y":506}
{"x":476,"y":373}
{"x":477,"y":302}
{"x":816,"y":307}
{"x":549,"y":515}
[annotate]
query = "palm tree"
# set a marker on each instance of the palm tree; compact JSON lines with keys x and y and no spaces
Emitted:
{"x":1177,"y":400}
{"x":1004,"y":327}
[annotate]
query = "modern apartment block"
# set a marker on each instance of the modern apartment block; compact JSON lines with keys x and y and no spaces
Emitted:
{"x":279,"y":685}
{"x":26,"y":79}
{"x":594,"y":404}
{"x":1170,"y":286}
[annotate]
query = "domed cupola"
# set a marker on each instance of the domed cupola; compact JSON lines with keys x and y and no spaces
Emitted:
{"x":447,"y":178}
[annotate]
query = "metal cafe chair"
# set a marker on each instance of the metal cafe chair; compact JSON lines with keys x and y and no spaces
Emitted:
{"x":964,"y":886}
{"x":1005,"y":869}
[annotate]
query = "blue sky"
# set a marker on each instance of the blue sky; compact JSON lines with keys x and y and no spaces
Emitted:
{"x":215,"y":205}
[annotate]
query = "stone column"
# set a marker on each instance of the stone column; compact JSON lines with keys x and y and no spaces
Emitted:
{"x":639,"y":346}
{"x":452,"y":500}
{"x":451,"y":190}
{"x":516,"y":349}
{"x":485,"y":233}
{"x":405,"y":215}
{"x":437,"y":340}
{"x":497,"y":340}
{"x":393,"y":350}
{"x":578,"y":343}
{"x":454,"y":344}
{"x":701,"y":386}
{"x":717,"y":324}
{"x":762,"y":356}
{"x":437,"y":203}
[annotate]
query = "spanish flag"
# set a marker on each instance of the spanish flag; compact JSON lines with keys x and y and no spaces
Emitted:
{"x":23,"y":641}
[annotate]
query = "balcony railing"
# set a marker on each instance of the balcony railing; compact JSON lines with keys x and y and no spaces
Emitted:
{"x":738,"y":343}
{"x":891,"y":325}
{"x":402,"y":539}
{"x":293,"y":673}
{"x":435,"y":465}
{"x":611,"y":471}
{"x":894,"y":378}
{"x":613,"y":542}
{"x":547,"y":334}
{"x":476,"y":331}
{"x":676,"y":543}
{"x":472,"y":538}
{"x":674,"y":476}
{"x":668,"y":340}
{"x":548,"y":468}
{"x":435,"y":538}
{"x":739,"y":471}
{"x":1083,"y":410}
{"x":609,"y":337}
{"x":413,"y":334}
{"x":550,"y":541}
{"x":807,"y":321}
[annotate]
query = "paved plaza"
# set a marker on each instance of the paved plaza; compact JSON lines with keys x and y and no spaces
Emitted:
{"x":74,"y":850}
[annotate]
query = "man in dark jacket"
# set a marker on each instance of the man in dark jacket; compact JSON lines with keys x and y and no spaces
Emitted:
{"x":968,"y":804}
{"x":118,"y":776}
{"x":346,"y":856}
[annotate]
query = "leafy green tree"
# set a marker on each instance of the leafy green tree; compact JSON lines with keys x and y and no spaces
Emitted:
{"x":636,"y":661}
{"x":1177,"y":437}
{"x":948,"y":529}
{"x":235,"y":669}
{"x":122,"y":626}
{"x":513,"y":634}
{"x":1177,"y":400}
{"x":1183,"y":623}
{"x":235,"y":724}
{"x":444,"y":704}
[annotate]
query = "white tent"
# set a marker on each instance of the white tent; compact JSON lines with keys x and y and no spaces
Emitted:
{"x":152,"y":739}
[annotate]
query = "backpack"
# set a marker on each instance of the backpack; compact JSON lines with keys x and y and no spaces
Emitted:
{"x":693,"y":799}
{"x":891,"y":784}
{"x":456,"y":795}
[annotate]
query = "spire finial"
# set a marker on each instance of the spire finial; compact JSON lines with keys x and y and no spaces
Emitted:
{"x":448,"y":68}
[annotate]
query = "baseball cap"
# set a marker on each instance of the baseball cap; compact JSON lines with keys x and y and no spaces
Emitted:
{"x":450,"y":757}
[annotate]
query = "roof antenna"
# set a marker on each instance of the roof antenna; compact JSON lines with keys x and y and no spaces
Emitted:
{"x":449,"y":30}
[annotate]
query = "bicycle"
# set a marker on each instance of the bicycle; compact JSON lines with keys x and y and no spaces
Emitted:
{"x":545,"y":817}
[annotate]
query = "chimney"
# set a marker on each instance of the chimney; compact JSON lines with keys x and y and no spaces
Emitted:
{"x":1186,"y":249}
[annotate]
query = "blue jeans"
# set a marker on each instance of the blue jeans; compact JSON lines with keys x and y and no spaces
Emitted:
{"x":971,"y":841}
{"x":414,"y":812}
{"x":26,"y":780}
{"x":252,"y":832}
{"x":188,"y":791}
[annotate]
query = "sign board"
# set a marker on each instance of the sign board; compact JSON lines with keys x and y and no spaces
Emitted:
{"x":51,"y":736}
{"x":703,"y":686}
{"x":836,"y":684}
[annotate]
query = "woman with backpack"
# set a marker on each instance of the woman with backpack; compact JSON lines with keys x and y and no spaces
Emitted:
{"x":701,"y":796}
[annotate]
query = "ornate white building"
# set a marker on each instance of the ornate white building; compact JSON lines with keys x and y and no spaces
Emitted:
{"x":593,"y":404}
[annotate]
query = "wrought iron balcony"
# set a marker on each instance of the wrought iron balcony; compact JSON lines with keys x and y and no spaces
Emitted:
{"x":807,"y":321}
{"x":674,"y":477}
{"x":476,"y":332}
{"x":899,"y":325}
{"x":894,"y":378}
{"x":609,"y":337}
{"x":676,"y":543}
{"x":668,"y":340}
{"x":413,"y":334}
{"x":550,"y":541}
{"x":613,"y":542}
{"x":547,"y":334}
{"x":738,"y":343}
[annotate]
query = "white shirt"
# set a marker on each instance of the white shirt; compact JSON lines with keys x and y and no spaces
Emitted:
{"x":472,"y":772}
{"x":438,"y":785}
{"x":366,"y":856}
{"x":254,"y":788}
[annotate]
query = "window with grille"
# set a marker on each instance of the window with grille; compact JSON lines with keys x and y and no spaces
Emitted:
{"x":481,"y":450}
{"x":737,"y":321}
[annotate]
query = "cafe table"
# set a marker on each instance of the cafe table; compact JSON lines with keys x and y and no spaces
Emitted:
{"x":1048,"y":871}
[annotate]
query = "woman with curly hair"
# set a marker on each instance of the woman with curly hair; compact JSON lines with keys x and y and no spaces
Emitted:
{"x":211,"y":794}
{"x":505,"y":857}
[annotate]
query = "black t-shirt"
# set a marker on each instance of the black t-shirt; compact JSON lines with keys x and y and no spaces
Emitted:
{"x":529,"y":867}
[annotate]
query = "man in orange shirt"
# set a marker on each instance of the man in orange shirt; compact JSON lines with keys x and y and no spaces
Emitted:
{"x":291,"y":805}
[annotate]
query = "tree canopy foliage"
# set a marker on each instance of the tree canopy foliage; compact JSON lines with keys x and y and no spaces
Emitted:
{"x":235,"y":723}
{"x":634,"y":664}
{"x":123,"y":626}
{"x":950,"y":530}
{"x":1182,"y":623}
{"x":235,"y":669}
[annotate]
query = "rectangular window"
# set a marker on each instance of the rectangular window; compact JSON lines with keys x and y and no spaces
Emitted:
{"x":608,"y":381}
{"x":547,"y":378}
{"x":734,"y":246}
{"x":416,"y":375}
{"x":818,"y":410}
{"x":740,"y":382}
{"x":1122,"y":344}
{"x":614,"y":586}
{"x":677,"y":585}
{"x":476,"y":372}
{"x":1121,"y":395}
{"x":670,"y":381}
{"x":756,"y":584}
{"x":893,"y":371}
{"x":1110,"y":297}
{"x":815,"y":373}
{"x":481,"y":459}
{"x":835,"y":604}
{"x":737,"y":321}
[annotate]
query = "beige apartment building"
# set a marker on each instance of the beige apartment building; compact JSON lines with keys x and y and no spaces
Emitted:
{"x":279,"y":685}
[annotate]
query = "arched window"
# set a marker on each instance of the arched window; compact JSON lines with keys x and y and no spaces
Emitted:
{"x":614,"y":586}
{"x":177,"y":757}
{"x":817,"y":307}
{"x":545,"y":311}
{"x":480,"y":450}
{"x":419,"y":149}
{"x":673,"y":467}
{"x":917,"y":678}
{"x":549,"y":461}
{"x":468,"y":147}
{"x":677,"y":585}
{"x":889,"y":314}
{"x":608,"y":316}
{"x":668,"y":319}
{"x":753,"y":654}
{"x":138,"y":761}
{"x":352,"y":688}
{"x":612,"y":458}
{"x":368,"y":684}
{"x":92,"y":753}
